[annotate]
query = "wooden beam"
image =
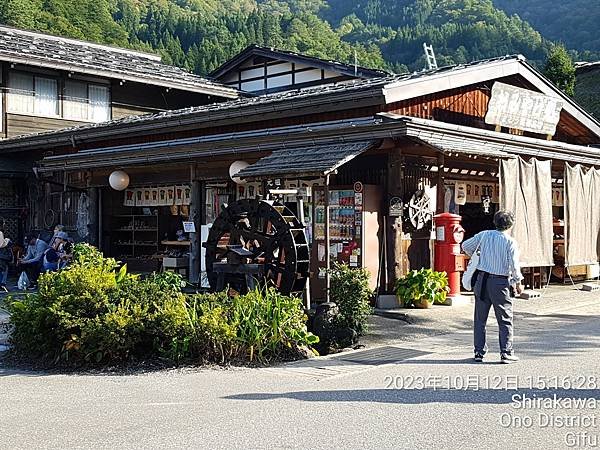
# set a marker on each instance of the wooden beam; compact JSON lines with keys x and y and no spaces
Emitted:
{"x":441,"y":189}
{"x":197,"y":207}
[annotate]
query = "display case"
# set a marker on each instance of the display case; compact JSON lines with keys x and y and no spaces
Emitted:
{"x":353,"y":229}
{"x":136,"y":234}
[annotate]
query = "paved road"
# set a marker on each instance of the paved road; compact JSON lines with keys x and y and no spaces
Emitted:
{"x":334,"y":403}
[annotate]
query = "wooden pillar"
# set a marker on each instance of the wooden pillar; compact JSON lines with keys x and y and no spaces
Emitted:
{"x":441,"y":188}
{"x":327,"y":240}
{"x":197,"y":207}
{"x":395,"y":245}
{"x":93,"y":214}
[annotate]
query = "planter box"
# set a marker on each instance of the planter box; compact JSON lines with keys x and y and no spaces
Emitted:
{"x":175,"y":263}
{"x":387,"y":302}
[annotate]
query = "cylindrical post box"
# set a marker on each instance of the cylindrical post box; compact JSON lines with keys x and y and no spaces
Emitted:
{"x":448,"y":256}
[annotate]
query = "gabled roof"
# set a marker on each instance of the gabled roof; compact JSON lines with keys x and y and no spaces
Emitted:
{"x":333,"y":96}
{"x":584,"y":66}
{"x":334,"y":66}
{"x":59,"y":53}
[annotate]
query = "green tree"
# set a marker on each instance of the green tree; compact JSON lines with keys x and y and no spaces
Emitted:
{"x":561,"y":70}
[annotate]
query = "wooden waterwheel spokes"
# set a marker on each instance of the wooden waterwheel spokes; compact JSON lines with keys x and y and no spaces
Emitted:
{"x":273,"y":236}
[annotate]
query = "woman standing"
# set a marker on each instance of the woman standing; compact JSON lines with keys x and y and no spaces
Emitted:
{"x":498,"y":270}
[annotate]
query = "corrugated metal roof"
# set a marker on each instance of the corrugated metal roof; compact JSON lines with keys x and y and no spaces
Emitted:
{"x":315,"y":160}
{"x":43,"y":50}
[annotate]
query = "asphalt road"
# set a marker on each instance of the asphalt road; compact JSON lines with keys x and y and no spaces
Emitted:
{"x":438,"y":400}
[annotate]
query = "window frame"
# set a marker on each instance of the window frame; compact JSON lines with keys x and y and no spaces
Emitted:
{"x":61,"y":83}
{"x":33,"y":94}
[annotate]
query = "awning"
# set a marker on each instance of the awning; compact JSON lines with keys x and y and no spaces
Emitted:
{"x":306,"y":160}
{"x":465,"y":146}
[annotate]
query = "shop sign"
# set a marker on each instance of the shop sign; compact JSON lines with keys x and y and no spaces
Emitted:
{"x":522,"y":109}
{"x":189,"y":227}
{"x":396,"y":207}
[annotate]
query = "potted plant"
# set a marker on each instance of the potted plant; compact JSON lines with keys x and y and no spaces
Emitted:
{"x":421,"y":288}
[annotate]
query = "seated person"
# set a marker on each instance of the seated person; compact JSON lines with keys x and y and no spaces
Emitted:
{"x":32,"y":262}
{"x":53,"y":254}
{"x":65,"y":250}
{"x":6,"y":258}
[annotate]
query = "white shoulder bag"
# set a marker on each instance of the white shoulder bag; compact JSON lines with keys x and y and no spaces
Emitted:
{"x":471,"y":268}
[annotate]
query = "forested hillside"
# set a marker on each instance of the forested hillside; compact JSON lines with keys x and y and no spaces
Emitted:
{"x":573,"y":22}
{"x":201,"y":34}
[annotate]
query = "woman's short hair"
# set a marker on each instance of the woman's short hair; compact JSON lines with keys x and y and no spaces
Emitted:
{"x":504,"y":220}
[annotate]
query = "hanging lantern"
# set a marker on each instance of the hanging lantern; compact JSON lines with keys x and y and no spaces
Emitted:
{"x":118,"y":180}
{"x":234,"y":168}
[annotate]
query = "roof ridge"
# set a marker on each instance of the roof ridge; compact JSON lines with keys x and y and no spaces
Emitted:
{"x":81,"y":42}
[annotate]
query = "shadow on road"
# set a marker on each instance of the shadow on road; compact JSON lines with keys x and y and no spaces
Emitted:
{"x":420,"y":396}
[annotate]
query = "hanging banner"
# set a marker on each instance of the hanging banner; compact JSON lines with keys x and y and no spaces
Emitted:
{"x":582,"y":216}
{"x":162,"y":196}
{"x":526,"y":190}
{"x":187,"y":195}
{"x":139,"y":197}
{"x":129,"y":197}
{"x":460,"y":193}
{"x":179,"y":193}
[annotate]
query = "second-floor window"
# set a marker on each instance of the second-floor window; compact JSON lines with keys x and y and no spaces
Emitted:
{"x":38,"y":95}
{"x":85,"y":101}
{"x":31,"y":94}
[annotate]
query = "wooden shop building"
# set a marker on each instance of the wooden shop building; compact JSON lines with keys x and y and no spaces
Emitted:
{"x":372,"y":158}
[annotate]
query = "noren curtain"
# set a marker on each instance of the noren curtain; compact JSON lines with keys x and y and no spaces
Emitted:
{"x":526,"y":190}
{"x":582,"y":215}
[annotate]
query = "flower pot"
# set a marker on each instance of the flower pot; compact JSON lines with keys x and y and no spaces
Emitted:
{"x":423,"y":304}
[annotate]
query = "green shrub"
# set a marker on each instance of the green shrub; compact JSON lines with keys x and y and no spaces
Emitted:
{"x":168,"y":280}
{"x":351,"y":292}
{"x":422,"y":285}
{"x":96,"y":313}
{"x":269,"y":323}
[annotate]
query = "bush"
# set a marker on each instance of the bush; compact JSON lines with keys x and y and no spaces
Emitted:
{"x":422,"y":285}
{"x":351,"y":292}
{"x":95,"y":313}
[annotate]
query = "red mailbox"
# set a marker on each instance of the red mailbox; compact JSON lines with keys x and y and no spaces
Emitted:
{"x":448,"y":257}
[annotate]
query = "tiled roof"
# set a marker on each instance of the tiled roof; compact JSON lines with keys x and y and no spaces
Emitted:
{"x":206,"y":112}
{"x":302,"y":160}
{"x":42,"y":50}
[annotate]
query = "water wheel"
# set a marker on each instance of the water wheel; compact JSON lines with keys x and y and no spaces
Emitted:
{"x":257,"y":239}
{"x":418,"y":210}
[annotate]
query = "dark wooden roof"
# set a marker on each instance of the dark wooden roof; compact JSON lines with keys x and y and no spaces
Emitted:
{"x":272,"y":53}
{"x":306,"y":160}
{"x":338,"y":96}
{"x":43,"y":50}
{"x":349,"y":89}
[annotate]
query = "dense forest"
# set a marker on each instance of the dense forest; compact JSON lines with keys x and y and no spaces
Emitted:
{"x":201,"y":34}
{"x":573,"y":22}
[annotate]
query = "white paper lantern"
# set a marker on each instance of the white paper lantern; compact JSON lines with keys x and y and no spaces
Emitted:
{"x":234,"y":168}
{"x":118,"y":180}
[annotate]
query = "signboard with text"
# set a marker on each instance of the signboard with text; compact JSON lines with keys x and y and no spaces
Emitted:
{"x":522,"y":109}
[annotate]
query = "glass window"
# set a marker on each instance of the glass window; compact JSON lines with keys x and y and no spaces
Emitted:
{"x":75,"y":100}
{"x":20,"y":93}
{"x":99,"y":103}
{"x":46,"y":96}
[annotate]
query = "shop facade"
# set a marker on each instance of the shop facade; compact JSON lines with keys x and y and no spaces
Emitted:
{"x":369,"y":162}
